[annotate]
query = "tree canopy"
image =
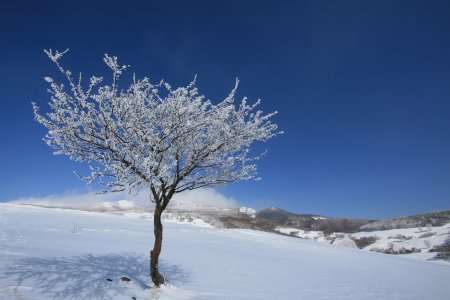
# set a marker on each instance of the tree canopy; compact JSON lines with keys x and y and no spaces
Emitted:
{"x":152,"y":135}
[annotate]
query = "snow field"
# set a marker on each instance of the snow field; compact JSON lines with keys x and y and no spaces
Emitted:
{"x":44,"y":255}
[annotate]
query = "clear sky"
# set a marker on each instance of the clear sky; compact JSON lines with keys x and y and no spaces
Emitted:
{"x":362,"y":89}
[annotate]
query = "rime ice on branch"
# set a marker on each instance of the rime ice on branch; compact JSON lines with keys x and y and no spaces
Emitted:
{"x":151,"y":136}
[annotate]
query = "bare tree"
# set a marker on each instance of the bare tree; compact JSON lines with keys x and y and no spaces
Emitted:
{"x":153,"y":137}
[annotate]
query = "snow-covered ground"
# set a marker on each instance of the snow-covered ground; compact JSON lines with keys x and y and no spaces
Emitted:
{"x":421,"y":240}
{"x":418,"y":241}
{"x":305,"y":234}
{"x":66,"y":254}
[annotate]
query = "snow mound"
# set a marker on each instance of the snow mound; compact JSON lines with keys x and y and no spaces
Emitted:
{"x":346,"y":241}
{"x":248,"y":211}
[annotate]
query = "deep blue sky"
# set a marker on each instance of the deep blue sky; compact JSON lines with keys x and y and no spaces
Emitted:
{"x":362,"y":89}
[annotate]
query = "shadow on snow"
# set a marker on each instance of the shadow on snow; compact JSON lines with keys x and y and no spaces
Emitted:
{"x":85,"y":276}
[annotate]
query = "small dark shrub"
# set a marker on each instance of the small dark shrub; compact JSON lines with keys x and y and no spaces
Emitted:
{"x":400,"y":237}
{"x":399,"y":251}
{"x":427,"y":234}
{"x":365,"y":241}
{"x":443,"y":251}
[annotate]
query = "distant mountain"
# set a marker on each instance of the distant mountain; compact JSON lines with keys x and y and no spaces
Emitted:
{"x":276,"y":217}
{"x":269,"y":219}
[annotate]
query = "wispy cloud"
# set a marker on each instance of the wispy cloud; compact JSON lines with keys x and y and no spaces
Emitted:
{"x":206,"y":197}
{"x":202,"y":197}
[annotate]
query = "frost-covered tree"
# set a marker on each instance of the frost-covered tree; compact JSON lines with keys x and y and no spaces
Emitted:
{"x":152,"y":136}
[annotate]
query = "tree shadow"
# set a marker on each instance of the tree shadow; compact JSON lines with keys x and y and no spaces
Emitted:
{"x":86,"y":276}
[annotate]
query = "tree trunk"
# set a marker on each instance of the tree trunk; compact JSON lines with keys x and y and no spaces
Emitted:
{"x":157,"y":278}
